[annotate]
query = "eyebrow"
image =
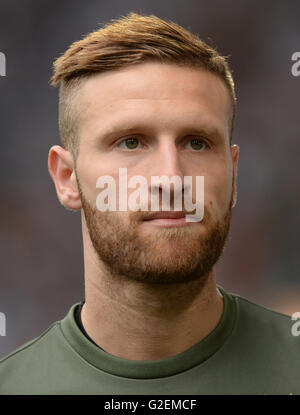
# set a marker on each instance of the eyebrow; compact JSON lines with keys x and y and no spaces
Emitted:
{"x":119,"y":130}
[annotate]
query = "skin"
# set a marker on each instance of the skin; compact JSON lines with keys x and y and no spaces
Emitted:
{"x":150,"y":292}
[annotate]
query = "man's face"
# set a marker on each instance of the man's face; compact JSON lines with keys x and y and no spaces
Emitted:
{"x":146,"y":119}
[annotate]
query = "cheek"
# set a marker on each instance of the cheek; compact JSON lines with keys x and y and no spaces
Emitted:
{"x":89,"y":174}
{"x":217,"y":193}
{"x":90,"y":166}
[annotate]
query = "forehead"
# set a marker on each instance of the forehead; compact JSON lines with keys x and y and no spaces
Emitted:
{"x":154,"y":92}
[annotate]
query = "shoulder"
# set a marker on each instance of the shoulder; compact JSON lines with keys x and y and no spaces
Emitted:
{"x":266,"y":325}
{"x":29,"y":348}
{"x":39,"y":364}
{"x":253,"y":309}
{"x":29,"y":367}
{"x":50,"y":340}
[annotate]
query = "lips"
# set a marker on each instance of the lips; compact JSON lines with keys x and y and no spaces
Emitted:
{"x":165,"y":215}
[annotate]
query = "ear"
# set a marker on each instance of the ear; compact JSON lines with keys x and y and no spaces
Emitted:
{"x":62,"y":171}
{"x":235,"y":157}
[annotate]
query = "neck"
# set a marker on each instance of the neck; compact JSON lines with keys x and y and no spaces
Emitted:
{"x":139,"y":321}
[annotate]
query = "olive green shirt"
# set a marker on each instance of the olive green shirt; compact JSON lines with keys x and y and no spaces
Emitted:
{"x":252,"y":350}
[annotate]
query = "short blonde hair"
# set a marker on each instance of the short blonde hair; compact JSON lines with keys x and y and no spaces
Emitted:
{"x":130,"y":40}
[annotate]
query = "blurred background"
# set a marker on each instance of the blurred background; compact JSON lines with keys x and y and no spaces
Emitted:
{"x":40,"y":241}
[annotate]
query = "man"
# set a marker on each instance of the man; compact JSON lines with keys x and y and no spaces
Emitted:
{"x":147,"y":96}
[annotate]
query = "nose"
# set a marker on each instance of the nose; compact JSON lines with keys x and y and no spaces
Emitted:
{"x":166,"y":172}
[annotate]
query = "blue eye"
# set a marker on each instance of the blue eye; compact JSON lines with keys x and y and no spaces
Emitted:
{"x":198,"y":143}
{"x":130,"y":142}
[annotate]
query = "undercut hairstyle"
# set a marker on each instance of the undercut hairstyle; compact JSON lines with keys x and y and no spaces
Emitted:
{"x":130,"y":40}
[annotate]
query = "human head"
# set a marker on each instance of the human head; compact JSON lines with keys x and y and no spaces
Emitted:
{"x":166,"y":103}
{"x":130,"y":40}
